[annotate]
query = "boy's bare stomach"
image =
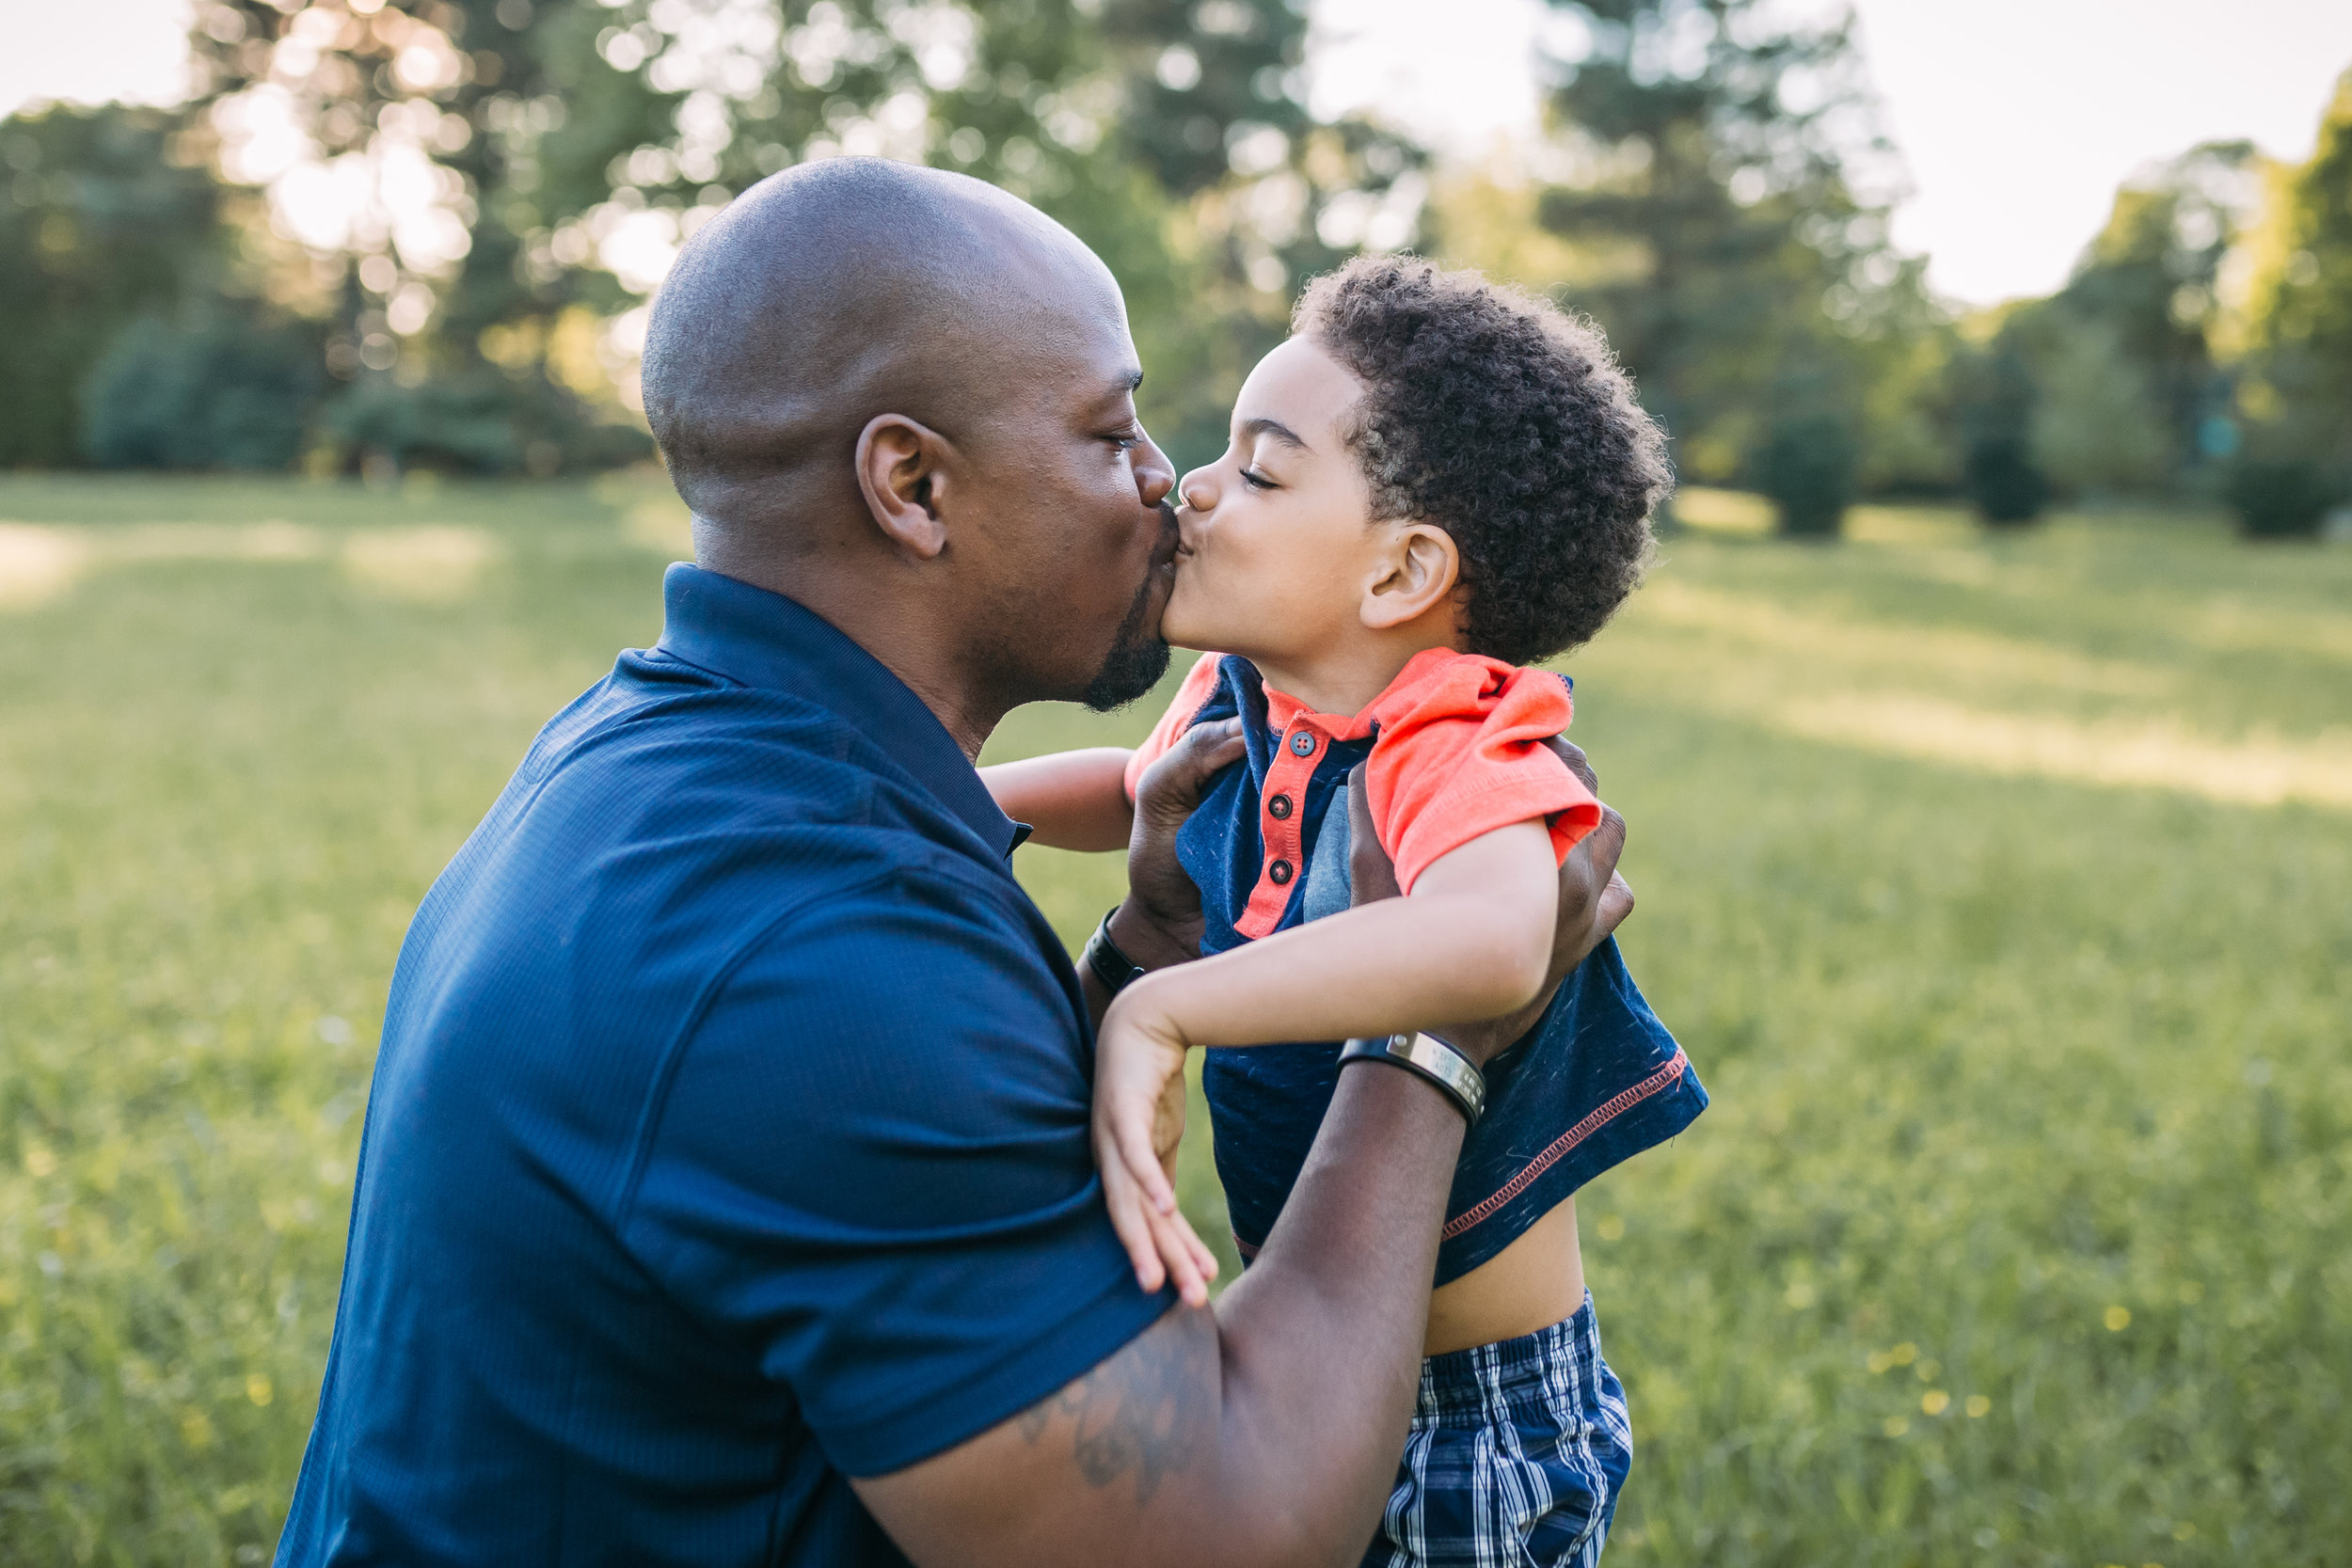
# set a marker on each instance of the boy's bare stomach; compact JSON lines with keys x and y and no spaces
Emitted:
{"x":1537,"y":1281}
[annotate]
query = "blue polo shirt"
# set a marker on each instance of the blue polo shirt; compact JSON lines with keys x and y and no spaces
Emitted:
{"x":729,"y":1135}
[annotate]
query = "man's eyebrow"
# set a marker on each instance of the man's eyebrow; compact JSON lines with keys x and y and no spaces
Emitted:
{"x":1127,"y":382}
{"x":1252,"y":429}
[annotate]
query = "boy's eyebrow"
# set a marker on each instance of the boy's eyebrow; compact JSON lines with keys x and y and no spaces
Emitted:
{"x":1275,"y":428}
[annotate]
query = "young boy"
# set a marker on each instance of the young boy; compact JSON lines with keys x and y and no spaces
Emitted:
{"x":1433,"y":482}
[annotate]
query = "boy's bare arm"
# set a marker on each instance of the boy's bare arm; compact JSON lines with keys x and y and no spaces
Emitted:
{"x":1072,"y":799}
{"x":1474,"y":940}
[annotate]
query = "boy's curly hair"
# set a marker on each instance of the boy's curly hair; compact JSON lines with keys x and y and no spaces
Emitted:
{"x":1499,"y":417}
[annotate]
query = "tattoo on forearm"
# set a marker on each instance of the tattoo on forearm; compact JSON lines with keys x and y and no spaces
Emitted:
{"x":1143,"y":1412}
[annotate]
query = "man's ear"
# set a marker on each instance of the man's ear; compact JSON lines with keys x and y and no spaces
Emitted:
{"x":900,"y":468}
{"x":1418,"y":571}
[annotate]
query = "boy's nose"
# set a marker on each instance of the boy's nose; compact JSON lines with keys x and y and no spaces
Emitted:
{"x":1198,"y":492}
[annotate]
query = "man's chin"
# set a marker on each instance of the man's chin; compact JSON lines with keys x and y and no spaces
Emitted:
{"x":1131,"y":672}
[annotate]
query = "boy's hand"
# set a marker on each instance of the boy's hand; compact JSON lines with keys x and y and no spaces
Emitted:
{"x":1593,"y":901}
{"x":1138,"y":1123}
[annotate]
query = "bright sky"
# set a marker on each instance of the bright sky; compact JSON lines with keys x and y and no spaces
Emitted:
{"x":2017,"y":118}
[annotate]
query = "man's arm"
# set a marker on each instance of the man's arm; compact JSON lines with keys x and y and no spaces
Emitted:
{"x":1266,"y":1429}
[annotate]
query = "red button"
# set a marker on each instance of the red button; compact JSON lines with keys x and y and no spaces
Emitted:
{"x":1279,"y":873}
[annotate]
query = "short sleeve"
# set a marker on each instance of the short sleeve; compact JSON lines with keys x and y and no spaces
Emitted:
{"x":871,"y":1169}
{"x":1191,"y":697}
{"x":1464,"y":754}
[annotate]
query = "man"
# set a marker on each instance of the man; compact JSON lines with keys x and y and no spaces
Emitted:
{"x":726,"y":1197}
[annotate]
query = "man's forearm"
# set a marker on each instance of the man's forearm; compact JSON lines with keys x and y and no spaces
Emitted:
{"x":1265,"y":1431}
{"x":1323,"y":1336}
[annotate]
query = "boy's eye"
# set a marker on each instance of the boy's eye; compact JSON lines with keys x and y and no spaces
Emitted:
{"x":1255,"y":480}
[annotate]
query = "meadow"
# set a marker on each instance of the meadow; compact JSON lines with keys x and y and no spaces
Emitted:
{"x":2000,"y":888}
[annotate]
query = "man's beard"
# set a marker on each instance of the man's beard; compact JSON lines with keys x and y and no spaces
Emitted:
{"x":1137,"y":659}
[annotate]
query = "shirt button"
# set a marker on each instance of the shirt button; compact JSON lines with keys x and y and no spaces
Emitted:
{"x":1302,"y":743}
{"x":1278,"y":808}
{"x":1279,"y":873}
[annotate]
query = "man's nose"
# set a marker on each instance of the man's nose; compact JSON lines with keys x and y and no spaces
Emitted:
{"x":1155,"y":476}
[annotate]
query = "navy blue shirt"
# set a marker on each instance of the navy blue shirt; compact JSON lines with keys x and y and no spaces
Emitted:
{"x":729,"y":1135}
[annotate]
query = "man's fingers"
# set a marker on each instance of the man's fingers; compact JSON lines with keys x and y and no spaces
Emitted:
{"x":1607,"y":840}
{"x":1570,"y":752}
{"x":1370,"y":875}
{"x":1616,"y":902}
{"x":1175,"y":783}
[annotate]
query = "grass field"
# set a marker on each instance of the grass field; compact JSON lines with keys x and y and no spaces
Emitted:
{"x":2001,"y":890}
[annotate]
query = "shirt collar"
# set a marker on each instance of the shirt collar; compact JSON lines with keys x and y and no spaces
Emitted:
{"x":764,"y":639}
{"x":1282,"y":710}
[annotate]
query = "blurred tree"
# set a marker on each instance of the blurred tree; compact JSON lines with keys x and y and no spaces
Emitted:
{"x":2121,"y":351}
{"x":414,"y":151}
{"x":106,"y":216}
{"x":2095,"y":427}
{"x":1806,"y":466}
{"x":569,"y":145}
{"x":1996,"y":401}
{"x":1713,"y":146}
{"x":2293,"y":328}
{"x":214,"y":390}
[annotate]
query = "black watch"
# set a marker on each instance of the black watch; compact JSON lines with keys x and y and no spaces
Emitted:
{"x":1101,"y":955}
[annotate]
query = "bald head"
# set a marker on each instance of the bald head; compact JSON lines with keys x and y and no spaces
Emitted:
{"x":839,"y":290}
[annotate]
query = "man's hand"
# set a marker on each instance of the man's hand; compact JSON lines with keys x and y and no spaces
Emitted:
{"x":1593,"y":901}
{"x":1159,"y":923}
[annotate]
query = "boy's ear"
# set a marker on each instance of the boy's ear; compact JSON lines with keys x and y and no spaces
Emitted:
{"x":902,"y":468}
{"x":1418,"y":571}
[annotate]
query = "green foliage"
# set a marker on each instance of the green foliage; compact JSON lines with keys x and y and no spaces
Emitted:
{"x":1997,"y":1050}
{"x":2282,"y":497}
{"x":2147,"y":285}
{"x":1995,"y":401}
{"x":2006,"y":484}
{"x":1710,"y":139}
{"x":103,"y":218}
{"x":218,"y":392}
{"x":2094,"y":424}
{"x":1807,"y":467}
{"x":1171,"y":136}
{"x":2297,"y":388}
{"x":481,"y":423}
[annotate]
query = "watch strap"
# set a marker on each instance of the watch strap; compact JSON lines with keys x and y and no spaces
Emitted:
{"x":1101,"y":955}
{"x":1426,"y":1056}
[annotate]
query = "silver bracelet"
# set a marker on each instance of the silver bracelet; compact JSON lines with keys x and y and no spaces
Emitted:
{"x":1427,"y":1056}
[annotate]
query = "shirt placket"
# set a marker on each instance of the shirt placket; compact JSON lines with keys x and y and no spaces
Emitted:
{"x":1281,"y":809}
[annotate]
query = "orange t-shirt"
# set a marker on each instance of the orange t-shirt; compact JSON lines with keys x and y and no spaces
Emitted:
{"x":1458,"y":751}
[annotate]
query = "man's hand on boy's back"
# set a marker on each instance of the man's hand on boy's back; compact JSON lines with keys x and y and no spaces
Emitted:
{"x":1593,"y":900}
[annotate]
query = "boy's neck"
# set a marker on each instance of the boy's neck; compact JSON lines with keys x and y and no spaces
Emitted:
{"x":1343,"y":681}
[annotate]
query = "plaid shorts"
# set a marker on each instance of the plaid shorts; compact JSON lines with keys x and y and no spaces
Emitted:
{"x":1516,"y":1454}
